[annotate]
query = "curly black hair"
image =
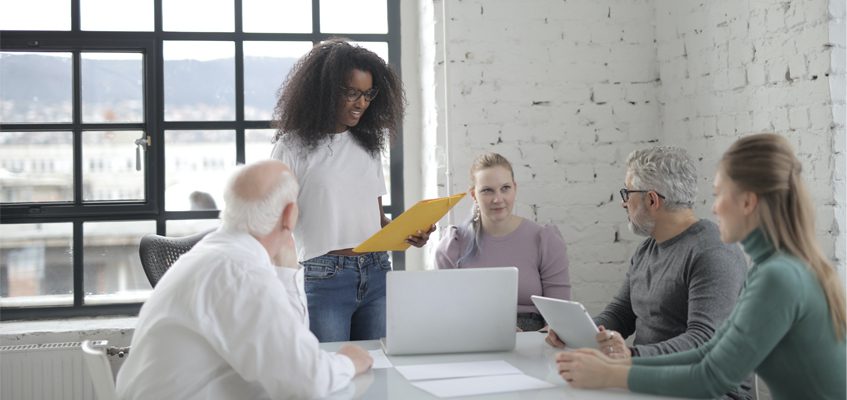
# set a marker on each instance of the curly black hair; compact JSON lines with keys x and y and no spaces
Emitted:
{"x":309,"y":97}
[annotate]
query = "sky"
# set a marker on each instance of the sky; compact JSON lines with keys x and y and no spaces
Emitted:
{"x":360,"y":16}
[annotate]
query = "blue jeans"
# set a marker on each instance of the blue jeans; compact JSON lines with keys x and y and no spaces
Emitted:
{"x":346,"y":296}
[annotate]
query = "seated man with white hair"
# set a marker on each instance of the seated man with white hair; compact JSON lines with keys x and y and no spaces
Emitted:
{"x":224,"y":322}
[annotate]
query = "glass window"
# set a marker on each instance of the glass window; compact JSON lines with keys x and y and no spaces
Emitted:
{"x":36,"y":265}
{"x":35,"y":15}
{"x":380,"y":48}
{"x":113,"y":272}
{"x":186,"y":227}
{"x":361,"y":16}
{"x":36,"y":87}
{"x":111,"y":15}
{"x":77,"y":190}
{"x":196,"y":165}
{"x":36,"y":167}
{"x":112,"y":166}
{"x":258,"y":144}
{"x":284,"y":16}
{"x":112,"y":87}
{"x":199,"y":80}
{"x":266,"y":64}
{"x":198,"y":15}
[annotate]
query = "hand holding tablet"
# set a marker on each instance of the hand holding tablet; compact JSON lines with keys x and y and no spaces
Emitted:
{"x":569,"y":320}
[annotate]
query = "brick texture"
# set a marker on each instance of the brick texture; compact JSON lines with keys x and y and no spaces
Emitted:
{"x":566,"y":89}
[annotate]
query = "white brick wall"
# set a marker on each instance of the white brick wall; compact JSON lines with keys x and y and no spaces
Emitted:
{"x":566,"y":89}
{"x":761,"y":66}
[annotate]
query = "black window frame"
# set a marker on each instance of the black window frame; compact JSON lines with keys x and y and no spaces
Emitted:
{"x":153,"y":208}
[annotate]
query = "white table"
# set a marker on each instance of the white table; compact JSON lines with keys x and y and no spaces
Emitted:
{"x":531,"y":355}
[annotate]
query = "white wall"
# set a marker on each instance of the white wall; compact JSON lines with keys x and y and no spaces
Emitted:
{"x":735,"y":67}
{"x":566,"y":89}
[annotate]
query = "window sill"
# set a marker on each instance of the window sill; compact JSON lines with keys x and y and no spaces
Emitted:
{"x":117,"y":330}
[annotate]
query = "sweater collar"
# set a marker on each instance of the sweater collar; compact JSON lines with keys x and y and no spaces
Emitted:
{"x":757,"y":246}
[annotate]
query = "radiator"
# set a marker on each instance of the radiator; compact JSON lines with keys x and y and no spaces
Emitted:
{"x":49,"y":371}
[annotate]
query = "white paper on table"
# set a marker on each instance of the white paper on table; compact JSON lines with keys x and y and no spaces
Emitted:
{"x":380,"y":360}
{"x":456,"y":370}
{"x":482,"y":385}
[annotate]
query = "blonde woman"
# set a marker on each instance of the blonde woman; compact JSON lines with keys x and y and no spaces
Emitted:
{"x":494,"y":237}
{"x":789,"y":322}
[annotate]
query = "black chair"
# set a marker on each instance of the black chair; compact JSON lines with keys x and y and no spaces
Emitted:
{"x":158,"y":253}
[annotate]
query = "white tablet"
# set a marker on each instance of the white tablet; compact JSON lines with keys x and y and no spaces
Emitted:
{"x":569,"y":320}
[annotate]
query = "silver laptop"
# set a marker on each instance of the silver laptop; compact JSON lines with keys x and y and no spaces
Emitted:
{"x":451,"y":310}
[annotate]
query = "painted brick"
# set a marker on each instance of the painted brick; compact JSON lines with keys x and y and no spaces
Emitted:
{"x":551,"y":86}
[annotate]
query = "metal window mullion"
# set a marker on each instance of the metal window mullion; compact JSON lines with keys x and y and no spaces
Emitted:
{"x":239,"y":87}
{"x":78,"y":263}
{"x":158,"y":133}
{"x":316,"y":19}
{"x":75,"y":16}
{"x":396,"y":154}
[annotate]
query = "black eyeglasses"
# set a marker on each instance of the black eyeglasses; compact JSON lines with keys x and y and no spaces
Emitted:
{"x":625,"y":193}
{"x":353,"y":95}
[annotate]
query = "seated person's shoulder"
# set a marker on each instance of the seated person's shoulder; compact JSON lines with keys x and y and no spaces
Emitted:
{"x":549,"y":234}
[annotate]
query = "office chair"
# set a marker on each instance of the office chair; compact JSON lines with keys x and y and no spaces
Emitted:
{"x":94,"y":354}
{"x":158,"y":253}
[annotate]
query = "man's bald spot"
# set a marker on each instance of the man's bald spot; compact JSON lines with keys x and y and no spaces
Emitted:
{"x":257,"y":180}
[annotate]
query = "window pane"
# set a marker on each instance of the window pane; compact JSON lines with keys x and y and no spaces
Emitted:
{"x":185,"y":227}
{"x":37,"y":265}
{"x":197,"y":164}
{"x":36,"y":167}
{"x":112,"y":166}
{"x":112,"y":87}
{"x":111,"y":15}
{"x":266,"y":64}
{"x":386,"y":170}
{"x":198,"y":15}
{"x":36,"y":87}
{"x":35,"y":15}
{"x":199,"y":80}
{"x":112,"y":270}
{"x":258,"y":144}
{"x":361,"y":16}
{"x":380,"y":48}
{"x":284,"y":16}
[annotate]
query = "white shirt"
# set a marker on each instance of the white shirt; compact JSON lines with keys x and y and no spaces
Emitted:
{"x":224,"y":323}
{"x":340,"y":183}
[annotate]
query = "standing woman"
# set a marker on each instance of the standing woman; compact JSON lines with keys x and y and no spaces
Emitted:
{"x":494,"y":237}
{"x":788,"y":325}
{"x":338,"y":107}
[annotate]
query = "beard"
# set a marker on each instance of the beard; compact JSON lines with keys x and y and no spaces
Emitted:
{"x":641,"y":224}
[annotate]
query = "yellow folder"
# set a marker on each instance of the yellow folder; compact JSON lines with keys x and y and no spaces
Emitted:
{"x":421,"y":216}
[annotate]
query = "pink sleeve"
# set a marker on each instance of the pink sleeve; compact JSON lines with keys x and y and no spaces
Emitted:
{"x":449,"y":249}
{"x":555,"y":278}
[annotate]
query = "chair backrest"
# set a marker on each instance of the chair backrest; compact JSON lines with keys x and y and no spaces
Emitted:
{"x":158,"y":253}
{"x":94,"y":354}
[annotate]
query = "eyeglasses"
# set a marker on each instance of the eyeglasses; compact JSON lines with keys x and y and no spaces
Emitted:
{"x":353,"y":95}
{"x":625,"y":193}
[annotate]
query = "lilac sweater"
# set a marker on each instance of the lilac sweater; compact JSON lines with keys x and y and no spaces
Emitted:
{"x":537,"y":251}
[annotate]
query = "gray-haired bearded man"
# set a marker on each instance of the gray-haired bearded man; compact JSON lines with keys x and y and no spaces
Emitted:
{"x":682,"y":281}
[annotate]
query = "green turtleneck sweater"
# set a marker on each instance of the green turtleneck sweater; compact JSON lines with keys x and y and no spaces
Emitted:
{"x":780,"y":328}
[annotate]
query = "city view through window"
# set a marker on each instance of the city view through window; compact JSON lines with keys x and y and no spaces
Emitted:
{"x":71,"y":139}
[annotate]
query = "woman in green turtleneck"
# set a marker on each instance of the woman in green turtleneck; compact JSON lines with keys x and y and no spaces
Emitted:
{"x":789,"y":322}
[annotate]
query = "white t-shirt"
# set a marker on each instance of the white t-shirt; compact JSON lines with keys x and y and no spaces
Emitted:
{"x":224,"y":323}
{"x":340,"y":183}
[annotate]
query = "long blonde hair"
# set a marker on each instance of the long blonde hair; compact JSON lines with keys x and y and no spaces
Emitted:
{"x":472,"y":228}
{"x":765,"y":164}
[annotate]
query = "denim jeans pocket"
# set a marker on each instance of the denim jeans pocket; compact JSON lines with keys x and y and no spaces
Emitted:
{"x":322,"y":267}
{"x":383,"y":261}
